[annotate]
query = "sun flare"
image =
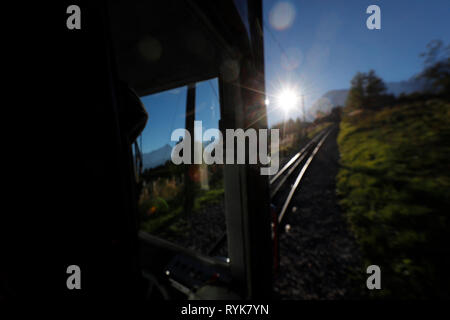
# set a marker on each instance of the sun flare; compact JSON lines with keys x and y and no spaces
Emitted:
{"x":287,"y":100}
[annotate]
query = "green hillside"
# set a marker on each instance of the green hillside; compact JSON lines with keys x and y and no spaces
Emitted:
{"x":394,"y":186}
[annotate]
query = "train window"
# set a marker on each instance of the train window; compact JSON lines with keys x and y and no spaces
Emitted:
{"x":182,"y":203}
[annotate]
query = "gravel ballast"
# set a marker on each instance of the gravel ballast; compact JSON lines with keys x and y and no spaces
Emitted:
{"x":318,"y":255}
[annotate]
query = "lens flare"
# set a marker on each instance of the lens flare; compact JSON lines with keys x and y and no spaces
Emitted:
{"x":282,"y":16}
{"x":287,"y":100}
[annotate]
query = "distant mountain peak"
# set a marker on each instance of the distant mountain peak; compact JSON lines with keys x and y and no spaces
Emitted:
{"x":338,"y":97}
{"x":156,"y":157}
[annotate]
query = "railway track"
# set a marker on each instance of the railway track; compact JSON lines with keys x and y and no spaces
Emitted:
{"x":285,"y":175}
{"x":284,"y":178}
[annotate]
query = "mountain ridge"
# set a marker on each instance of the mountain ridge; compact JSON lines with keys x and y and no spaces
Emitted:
{"x":337,"y":97}
{"x":156,"y":157}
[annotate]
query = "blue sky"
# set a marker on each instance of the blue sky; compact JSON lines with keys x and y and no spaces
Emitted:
{"x":326,"y":43}
{"x":167,"y":111}
{"x":330,"y":42}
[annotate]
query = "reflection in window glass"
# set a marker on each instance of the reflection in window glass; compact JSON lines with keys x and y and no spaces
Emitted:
{"x":181,"y":203}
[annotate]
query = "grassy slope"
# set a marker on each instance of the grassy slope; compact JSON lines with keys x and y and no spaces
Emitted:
{"x":168,"y":215}
{"x":394,"y":186}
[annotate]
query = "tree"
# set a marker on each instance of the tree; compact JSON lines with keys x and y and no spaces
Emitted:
{"x":437,"y":66}
{"x":374,"y":89}
{"x":374,"y":85}
{"x":367,"y":91}
{"x":355,"y":98}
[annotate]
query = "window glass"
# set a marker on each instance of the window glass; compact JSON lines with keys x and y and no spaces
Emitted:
{"x":182,"y":203}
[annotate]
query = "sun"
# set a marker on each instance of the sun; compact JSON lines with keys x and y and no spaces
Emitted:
{"x":287,"y":99}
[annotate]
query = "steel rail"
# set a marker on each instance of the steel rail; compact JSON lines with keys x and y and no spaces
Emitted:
{"x":291,"y":165}
{"x":294,"y":158}
{"x":300,"y":176}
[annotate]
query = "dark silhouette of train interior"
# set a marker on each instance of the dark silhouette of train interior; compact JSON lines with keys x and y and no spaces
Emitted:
{"x":197,"y":41}
{"x":127,"y":50}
